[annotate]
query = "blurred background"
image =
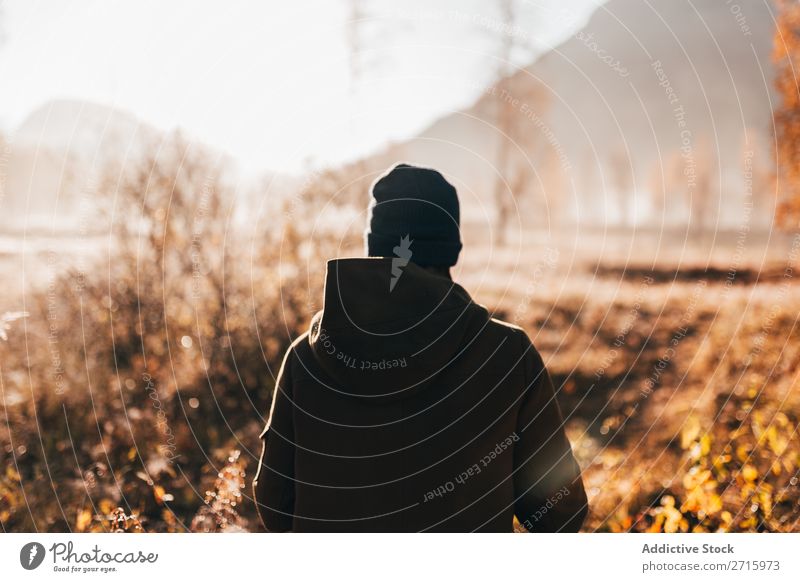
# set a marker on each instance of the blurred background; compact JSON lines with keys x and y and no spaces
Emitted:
{"x":174,"y":177}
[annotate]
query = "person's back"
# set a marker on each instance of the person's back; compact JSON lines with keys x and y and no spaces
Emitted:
{"x":406,"y":407}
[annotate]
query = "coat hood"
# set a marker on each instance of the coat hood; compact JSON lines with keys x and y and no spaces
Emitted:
{"x":388,"y":327}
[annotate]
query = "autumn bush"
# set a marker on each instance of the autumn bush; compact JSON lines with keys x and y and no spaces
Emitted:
{"x":130,"y":381}
{"x":692,"y":425}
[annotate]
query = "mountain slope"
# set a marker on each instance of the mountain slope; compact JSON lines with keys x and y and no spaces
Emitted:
{"x":57,"y":149}
{"x":639,"y":81}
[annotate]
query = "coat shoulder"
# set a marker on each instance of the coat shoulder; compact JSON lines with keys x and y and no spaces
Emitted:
{"x":300,"y":347}
{"x":510,"y":330}
{"x":517,"y":337}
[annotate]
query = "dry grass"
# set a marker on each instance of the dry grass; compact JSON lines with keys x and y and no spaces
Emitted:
{"x":682,"y":395}
{"x":133,"y":391}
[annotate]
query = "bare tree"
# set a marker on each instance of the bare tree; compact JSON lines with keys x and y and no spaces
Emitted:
{"x":667,"y":184}
{"x":503,"y":120}
{"x":4,"y":155}
{"x":589,"y":205}
{"x":621,"y":174}
{"x":704,"y":191}
{"x":759,"y":177}
{"x":656,"y":185}
{"x":354,"y":41}
{"x":554,"y":183}
{"x":362,"y":32}
{"x":2,"y":25}
{"x":684,"y":187}
{"x":765,"y":186}
{"x":518,"y":105}
{"x":786,"y":56}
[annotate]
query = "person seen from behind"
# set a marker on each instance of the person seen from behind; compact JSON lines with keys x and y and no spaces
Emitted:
{"x":406,"y":407}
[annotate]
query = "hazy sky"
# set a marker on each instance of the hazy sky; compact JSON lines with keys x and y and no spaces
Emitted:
{"x":269,"y":82}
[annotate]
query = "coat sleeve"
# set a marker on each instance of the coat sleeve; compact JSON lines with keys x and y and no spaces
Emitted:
{"x":548,"y":488}
{"x":273,"y":484}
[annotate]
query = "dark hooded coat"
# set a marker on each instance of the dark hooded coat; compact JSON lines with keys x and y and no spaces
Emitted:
{"x":405,"y":407}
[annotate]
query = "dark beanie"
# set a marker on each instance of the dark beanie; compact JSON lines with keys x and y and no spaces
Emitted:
{"x":418,"y":203}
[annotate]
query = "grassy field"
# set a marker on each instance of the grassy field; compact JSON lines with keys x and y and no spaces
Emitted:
{"x":679,"y":381}
{"x":133,"y":390}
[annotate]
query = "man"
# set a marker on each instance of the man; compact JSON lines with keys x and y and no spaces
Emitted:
{"x":406,"y":407}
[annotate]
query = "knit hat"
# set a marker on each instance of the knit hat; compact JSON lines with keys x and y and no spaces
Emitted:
{"x":420,"y":204}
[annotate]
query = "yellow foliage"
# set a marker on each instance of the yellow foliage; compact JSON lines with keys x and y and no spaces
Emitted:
{"x":749,"y":473}
{"x":690,"y":432}
{"x":668,"y":518}
{"x":83,"y":520}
